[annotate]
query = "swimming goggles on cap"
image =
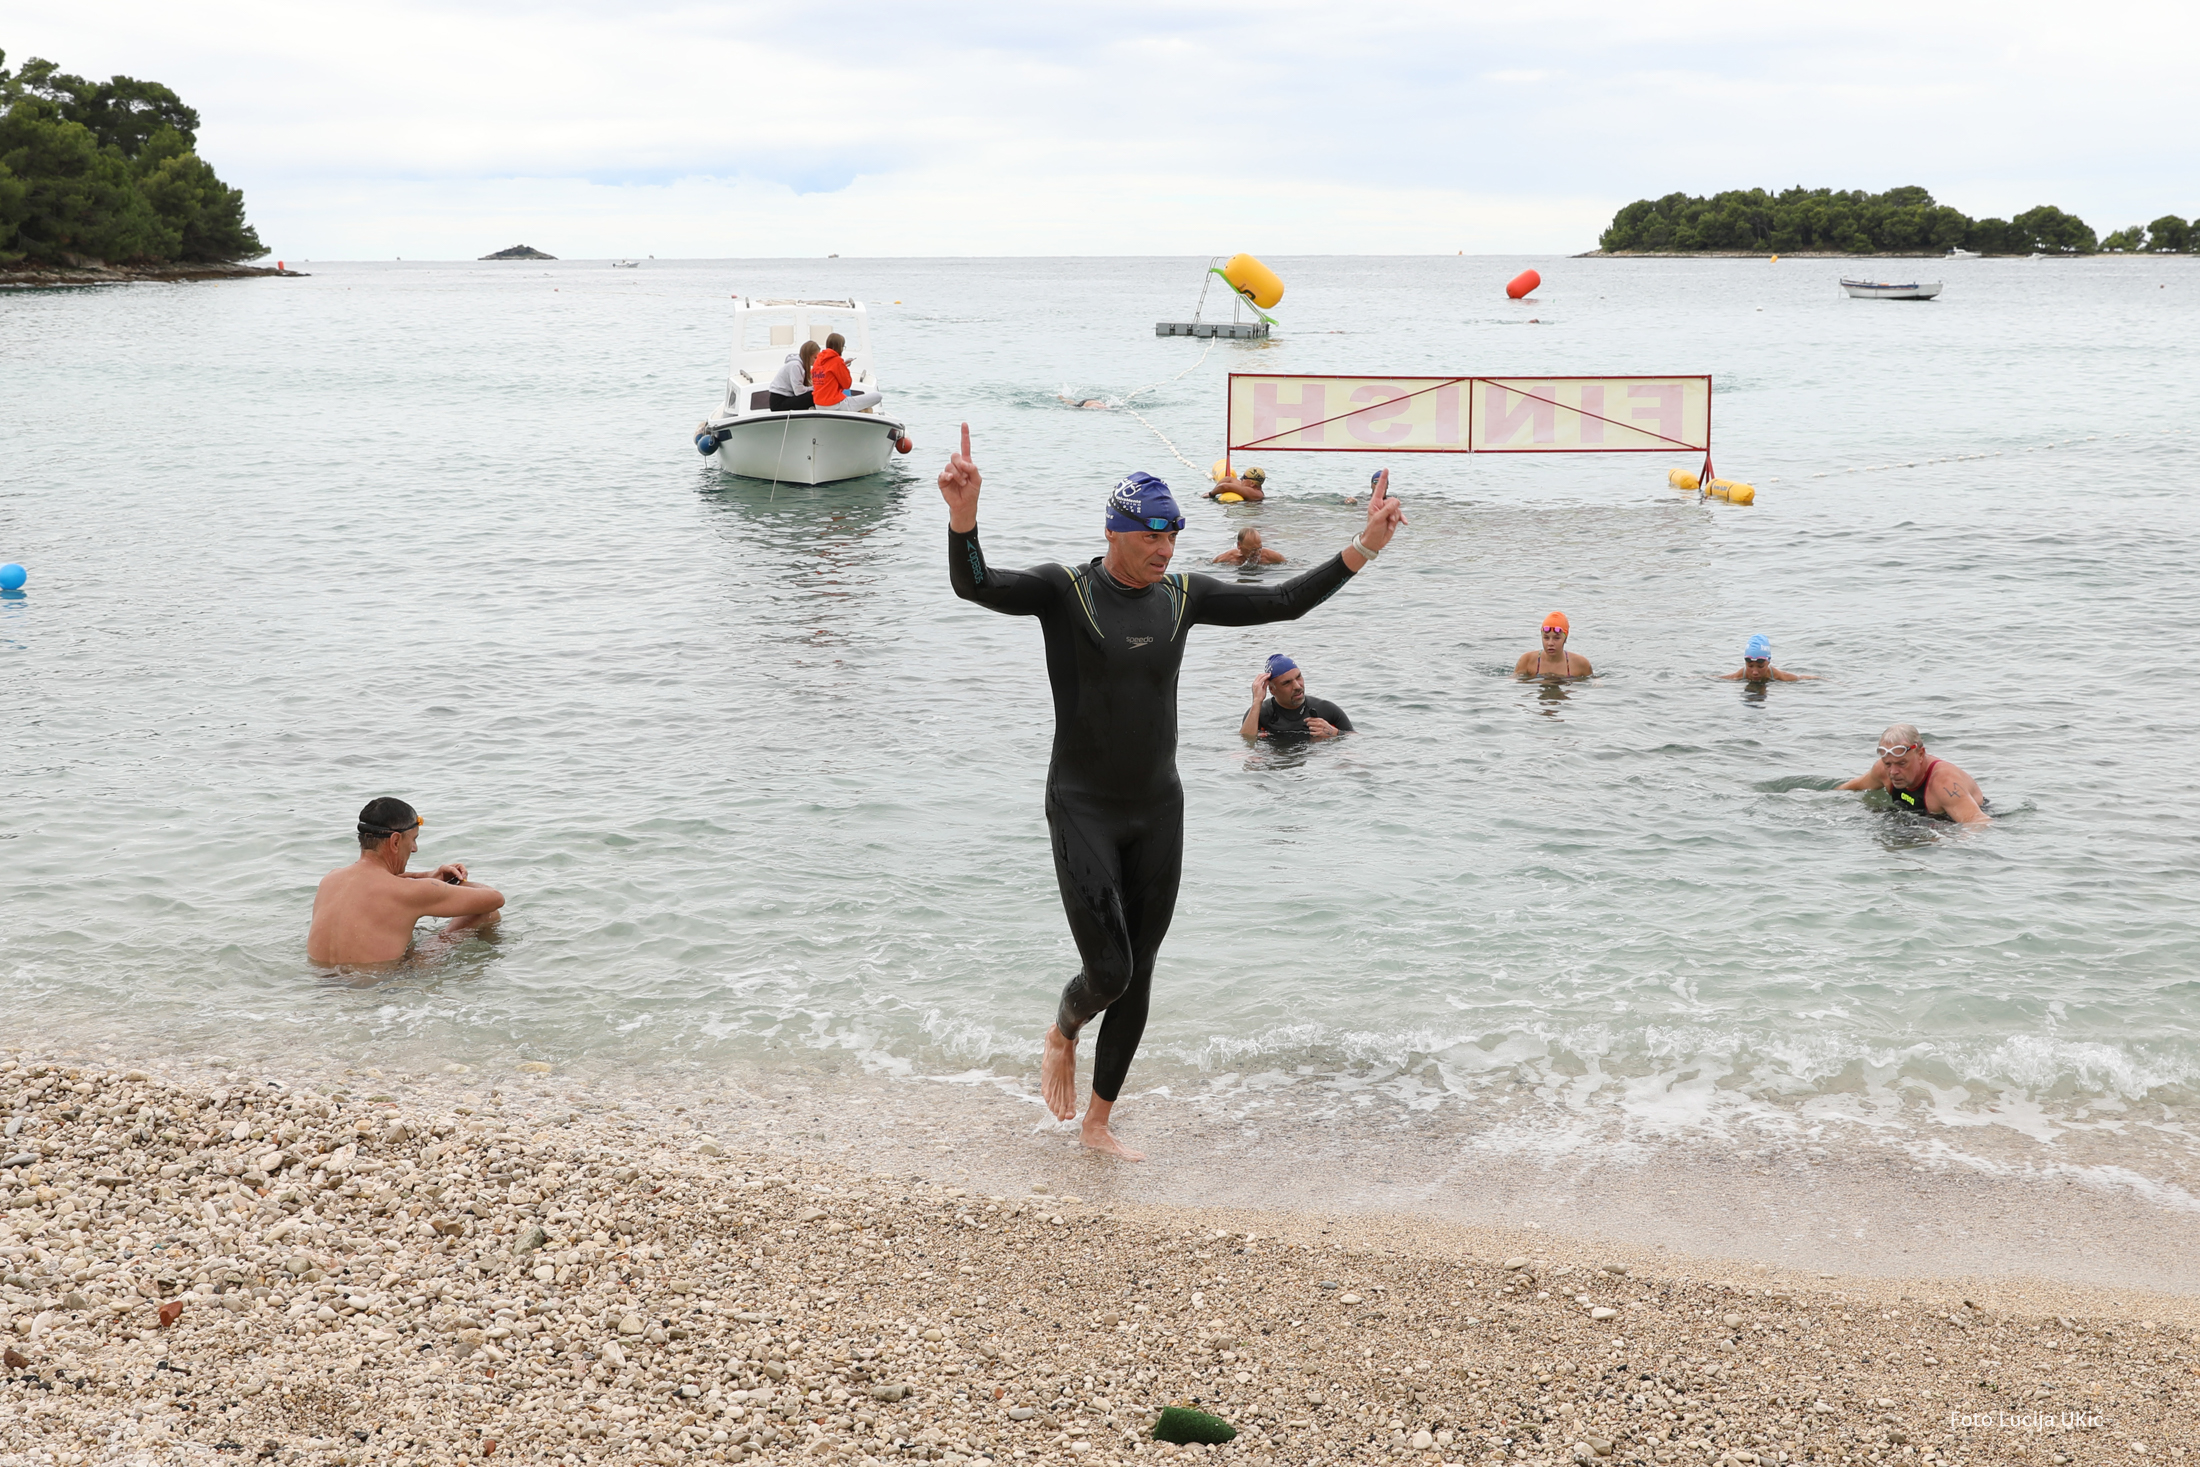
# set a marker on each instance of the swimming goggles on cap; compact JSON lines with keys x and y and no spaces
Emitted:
{"x":1128,"y":503}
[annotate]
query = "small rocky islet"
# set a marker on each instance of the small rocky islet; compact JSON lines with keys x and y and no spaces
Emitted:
{"x":253,"y":1270}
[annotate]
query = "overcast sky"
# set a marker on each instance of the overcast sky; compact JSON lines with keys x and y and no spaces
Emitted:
{"x":997,"y":127}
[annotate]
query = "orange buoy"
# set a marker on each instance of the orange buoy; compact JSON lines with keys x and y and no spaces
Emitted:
{"x":1522,"y":283}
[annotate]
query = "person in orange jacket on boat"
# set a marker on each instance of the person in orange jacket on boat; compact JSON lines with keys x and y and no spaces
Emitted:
{"x":831,"y":381}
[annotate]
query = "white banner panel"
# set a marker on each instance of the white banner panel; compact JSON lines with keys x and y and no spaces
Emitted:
{"x":1274,"y":413}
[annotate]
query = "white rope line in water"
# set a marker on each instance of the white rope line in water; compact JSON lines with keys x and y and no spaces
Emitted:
{"x":1134,"y":412}
{"x":1179,"y":377}
{"x":1961,"y":458}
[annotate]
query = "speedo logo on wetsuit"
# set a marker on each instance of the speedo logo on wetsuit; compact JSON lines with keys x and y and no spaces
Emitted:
{"x":1171,"y":586}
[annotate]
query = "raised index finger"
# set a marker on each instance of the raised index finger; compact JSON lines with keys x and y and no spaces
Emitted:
{"x":966,"y":440}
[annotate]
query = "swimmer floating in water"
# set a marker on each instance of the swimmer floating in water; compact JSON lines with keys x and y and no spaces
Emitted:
{"x":1250,"y":486}
{"x":1757,"y":666}
{"x":1249,"y":551}
{"x":1930,"y":787}
{"x":1096,"y":404}
{"x":364,"y":912}
{"x":1552,"y":659}
{"x":1115,"y":628}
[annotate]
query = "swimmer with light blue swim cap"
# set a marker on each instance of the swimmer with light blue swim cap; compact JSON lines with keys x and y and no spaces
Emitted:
{"x":1757,"y":665}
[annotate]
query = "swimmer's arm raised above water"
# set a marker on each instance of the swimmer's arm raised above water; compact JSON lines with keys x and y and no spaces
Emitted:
{"x":1249,"y":730}
{"x":1015,"y":593}
{"x":1229,"y":604}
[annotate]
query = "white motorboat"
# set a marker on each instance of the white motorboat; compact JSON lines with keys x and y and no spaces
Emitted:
{"x":626,"y":264}
{"x":1879,"y":290}
{"x":1958,"y":252}
{"x":805,"y":445}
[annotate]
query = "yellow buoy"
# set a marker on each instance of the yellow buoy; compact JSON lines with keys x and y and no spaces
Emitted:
{"x":1253,"y":280}
{"x":1226,"y":497}
{"x":1730,"y":490}
{"x":1220,"y":471}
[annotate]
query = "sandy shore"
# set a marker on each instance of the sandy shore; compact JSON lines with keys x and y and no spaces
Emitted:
{"x":276,"y":1267}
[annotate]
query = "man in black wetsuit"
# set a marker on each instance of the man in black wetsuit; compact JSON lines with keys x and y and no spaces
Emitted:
{"x":1115,"y":629}
{"x":1290,"y":714}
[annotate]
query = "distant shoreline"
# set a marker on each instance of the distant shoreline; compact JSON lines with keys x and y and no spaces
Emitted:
{"x":1818,"y":255}
{"x":48,"y":277}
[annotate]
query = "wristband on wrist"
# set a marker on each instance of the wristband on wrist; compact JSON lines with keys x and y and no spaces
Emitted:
{"x":1365,"y":553}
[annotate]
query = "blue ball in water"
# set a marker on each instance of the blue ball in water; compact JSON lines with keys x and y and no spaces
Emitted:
{"x":706,"y":444}
{"x":12,"y":577}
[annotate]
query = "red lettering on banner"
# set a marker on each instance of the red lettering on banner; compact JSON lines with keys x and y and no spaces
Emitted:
{"x":1389,"y":402}
{"x":1446,"y":426}
{"x":1667,"y":411}
{"x":1592,"y":413}
{"x":1506,"y":421}
{"x":1311,"y":408}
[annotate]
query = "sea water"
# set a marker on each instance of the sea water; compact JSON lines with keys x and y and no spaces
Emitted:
{"x":764,"y":794}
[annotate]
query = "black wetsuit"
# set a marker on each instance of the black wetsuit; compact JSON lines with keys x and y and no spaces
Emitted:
{"x":1286,"y":724}
{"x":1914,"y":800}
{"x":1115,"y":807}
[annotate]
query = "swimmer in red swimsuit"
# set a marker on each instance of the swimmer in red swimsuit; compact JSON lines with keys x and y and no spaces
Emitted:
{"x":1931,"y":787}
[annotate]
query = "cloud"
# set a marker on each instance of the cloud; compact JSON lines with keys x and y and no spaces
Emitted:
{"x":987,"y":127}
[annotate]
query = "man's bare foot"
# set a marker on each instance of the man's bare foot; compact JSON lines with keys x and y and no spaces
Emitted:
{"x":1097,"y":1135}
{"x":1101,"y":1139}
{"x":1058,"y":1073}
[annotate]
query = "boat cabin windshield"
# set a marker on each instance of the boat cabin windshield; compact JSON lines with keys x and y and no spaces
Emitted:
{"x":771,"y":329}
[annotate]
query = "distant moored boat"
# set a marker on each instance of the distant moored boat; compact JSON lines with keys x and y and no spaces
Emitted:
{"x":1879,"y":290}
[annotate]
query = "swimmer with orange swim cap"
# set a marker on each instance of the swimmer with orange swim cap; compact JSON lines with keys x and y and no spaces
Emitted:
{"x":1552,"y":659}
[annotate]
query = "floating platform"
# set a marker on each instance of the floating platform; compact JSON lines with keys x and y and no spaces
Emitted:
{"x":1234,"y":330}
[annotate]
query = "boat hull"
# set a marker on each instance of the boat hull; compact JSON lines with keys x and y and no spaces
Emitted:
{"x":814,"y":446}
{"x":1865,"y":290}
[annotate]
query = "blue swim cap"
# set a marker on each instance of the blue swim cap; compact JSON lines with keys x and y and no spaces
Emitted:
{"x":1278,"y":664}
{"x":1142,"y":502}
{"x":1759,"y":646}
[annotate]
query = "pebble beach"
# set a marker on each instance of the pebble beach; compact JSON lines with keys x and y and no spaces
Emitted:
{"x":260,"y":1267}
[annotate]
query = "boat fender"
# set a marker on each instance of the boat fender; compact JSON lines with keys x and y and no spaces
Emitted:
{"x":1522,"y":283}
{"x":706,"y":443}
{"x":904,"y":444}
{"x":1253,"y":280}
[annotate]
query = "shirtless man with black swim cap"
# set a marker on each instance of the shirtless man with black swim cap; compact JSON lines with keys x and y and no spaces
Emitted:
{"x":365,"y":912}
{"x":1115,"y":629}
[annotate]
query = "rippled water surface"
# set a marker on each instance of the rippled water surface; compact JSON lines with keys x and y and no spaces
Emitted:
{"x":760,"y":788}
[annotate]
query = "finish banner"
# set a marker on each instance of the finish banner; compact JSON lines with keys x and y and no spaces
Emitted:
{"x":1283,"y":414}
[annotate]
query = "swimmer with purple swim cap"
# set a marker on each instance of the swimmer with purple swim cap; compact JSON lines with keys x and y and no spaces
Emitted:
{"x":1115,"y":627}
{"x":1757,"y":666}
{"x":1289,"y":714}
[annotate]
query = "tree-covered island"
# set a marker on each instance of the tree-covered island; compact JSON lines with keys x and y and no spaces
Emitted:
{"x":1901,"y":221}
{"x":106,"y":171}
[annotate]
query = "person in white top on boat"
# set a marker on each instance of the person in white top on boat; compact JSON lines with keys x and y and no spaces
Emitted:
{"x":791,"y":388}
